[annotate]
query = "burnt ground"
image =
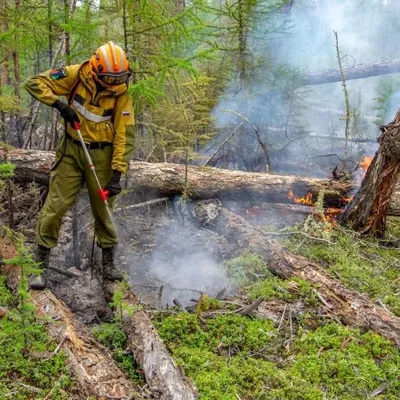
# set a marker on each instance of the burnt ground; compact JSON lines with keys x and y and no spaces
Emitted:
{"x":164,"y":254}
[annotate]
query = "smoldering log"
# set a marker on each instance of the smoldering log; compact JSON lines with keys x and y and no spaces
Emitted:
{"x":351,"y":307}
{"x":368,"y":210}
{"x":155,"y":180}
{"x":358,"y":71}
{"x":162,"y":375}
{"x":90,"y":362}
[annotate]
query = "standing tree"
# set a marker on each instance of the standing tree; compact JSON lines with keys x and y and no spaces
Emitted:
{"x":368,"y":210}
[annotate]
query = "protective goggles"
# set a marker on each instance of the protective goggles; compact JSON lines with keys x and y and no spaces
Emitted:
{"x":114,"y":80}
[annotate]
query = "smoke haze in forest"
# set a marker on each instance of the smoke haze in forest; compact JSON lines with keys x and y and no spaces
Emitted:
{"x":367,"y":31}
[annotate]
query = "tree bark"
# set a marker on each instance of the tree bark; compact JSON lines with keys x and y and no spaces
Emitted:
{"x":167,"y":180}
{"x":368,"y":210}
{"x":161,"y":372}
{"x":358,"y":71}
{"x":351,"y":307}
{"x":90,"y":362}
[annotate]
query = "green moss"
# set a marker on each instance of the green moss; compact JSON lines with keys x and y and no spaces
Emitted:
{"x":229,"y":357}
{"x":247,"y":268}
{"x":350,"y":364}
{"x":274,"y":288}
{"x":360,"y":263}
{"x":6,"y":298}
{"x":17,"y":364}
{"x":25,"y":346}
{"x":112,"y":336}
{"x":206,"y":303}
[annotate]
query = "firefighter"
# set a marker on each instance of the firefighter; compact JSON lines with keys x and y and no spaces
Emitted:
{"x":97,"y":98}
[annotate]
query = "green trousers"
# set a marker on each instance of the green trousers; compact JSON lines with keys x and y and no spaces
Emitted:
{"x":65,"y":182}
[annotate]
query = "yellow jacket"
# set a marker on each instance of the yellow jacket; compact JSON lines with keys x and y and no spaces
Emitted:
{"x":105,"y":116}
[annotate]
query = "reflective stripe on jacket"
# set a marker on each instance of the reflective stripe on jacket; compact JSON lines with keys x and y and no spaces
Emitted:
{"x":105,"y":116}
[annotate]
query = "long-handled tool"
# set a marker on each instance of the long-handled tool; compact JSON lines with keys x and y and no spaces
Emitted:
{"x":102,"y":193}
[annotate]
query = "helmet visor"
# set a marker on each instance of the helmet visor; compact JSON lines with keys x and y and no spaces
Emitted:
{"x":114,"y":80}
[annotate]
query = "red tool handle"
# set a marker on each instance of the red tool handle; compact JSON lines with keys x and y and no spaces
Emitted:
{"x":104,"y":194}
{"x":76,"y":126}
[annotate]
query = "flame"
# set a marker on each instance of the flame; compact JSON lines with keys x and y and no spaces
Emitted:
{"x":306,"y":200}
{"x":347,"y":199}
{"x":365,"y":163}
{"x":330,"y":215}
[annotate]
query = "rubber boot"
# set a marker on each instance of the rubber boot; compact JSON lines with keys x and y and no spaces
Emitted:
{"x":42,"y":256}
{"x":110,"y":272}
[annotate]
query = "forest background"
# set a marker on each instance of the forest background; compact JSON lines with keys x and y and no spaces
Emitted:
{"x":214,"y":82}
{"x":221,"y":83}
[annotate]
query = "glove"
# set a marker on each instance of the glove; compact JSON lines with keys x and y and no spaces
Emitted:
{"x":113,"y":185}
{"x":68,"y":113}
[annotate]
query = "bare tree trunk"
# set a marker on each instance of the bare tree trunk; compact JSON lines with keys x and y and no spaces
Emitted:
{"x":368,"y":210}
{"x":348,"y":111}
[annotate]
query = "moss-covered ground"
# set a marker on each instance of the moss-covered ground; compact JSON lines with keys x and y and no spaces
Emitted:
{"x":364,"y":264}
{"x":29,"y":367}
{"x":310,"y":357}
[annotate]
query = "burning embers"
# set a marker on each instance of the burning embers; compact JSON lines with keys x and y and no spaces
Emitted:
{"x":306,"y":200}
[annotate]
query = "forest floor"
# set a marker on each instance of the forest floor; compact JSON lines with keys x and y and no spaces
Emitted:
{"x":291,"y":347}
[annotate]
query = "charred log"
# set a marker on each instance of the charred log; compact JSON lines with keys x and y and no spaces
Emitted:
{"x":358,"y":71}
{"x":349,"y":306}
{"x":369,"y":208}
{"x":155,"y":180}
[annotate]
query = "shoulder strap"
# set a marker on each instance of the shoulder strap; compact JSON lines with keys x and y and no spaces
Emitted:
{"x":73,"y":91}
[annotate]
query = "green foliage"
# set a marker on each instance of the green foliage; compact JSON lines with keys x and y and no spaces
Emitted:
{"x":119,"y":304}
{"x":247,"y":268}
{"x":22,"y":337}
{"x":361,"y":263}
{"x":387,"y":88}
{"x":6,"y":170}
{"x":113,"y":337}
{"x":9,"y":103}
{"x":228,"y":357}
{"x":17,"y":361}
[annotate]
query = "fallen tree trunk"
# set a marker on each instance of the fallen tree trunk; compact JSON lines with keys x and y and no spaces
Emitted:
{"x":358,"y":71}
{"x":349,"y":306}
{"x":368,"y":210}
{"x":155,"y":180}
{"x":90,"y":362}
{"x":164,"y":378}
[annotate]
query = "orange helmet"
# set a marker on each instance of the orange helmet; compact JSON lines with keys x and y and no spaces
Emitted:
{"x":110,"y":64}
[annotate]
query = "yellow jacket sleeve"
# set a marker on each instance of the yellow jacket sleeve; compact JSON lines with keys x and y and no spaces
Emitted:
{"x":48,"y":86}
{"x":124,"y":139}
